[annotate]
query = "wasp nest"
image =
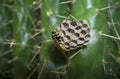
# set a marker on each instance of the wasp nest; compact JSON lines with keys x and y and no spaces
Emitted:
{"x":72,"y":34}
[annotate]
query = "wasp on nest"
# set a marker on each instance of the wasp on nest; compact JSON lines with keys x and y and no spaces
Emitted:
{"x":71,"y":35}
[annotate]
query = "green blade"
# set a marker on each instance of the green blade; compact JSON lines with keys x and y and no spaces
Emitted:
{"x":50,"y":58}
{"x":21,"y":36}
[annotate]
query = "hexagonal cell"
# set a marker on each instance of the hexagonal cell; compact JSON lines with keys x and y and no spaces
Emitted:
{"x":72,"y":44}
{"x":87,"y":37}
{"x":82,"y":35}
{"x":73,"y":23}
{"x":65,"y":39}
{"x":77,"y":34}
{"x":80,"y":41}
{"x":77,"y":27}
{"x":70,"y":30}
